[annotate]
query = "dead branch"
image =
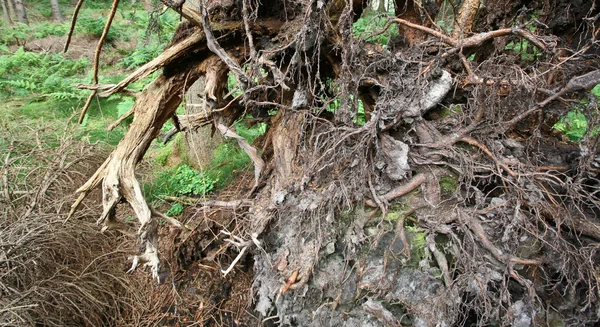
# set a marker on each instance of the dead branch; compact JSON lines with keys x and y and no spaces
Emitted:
{"x":73,"y":22}
{"x":259,"y":164}
{"x":216,"y":48}
{"x":111,"y":16}
{"x":156,"y":104}
{"x":165,"y":58}
{"x":476,"y":39}
{"x":104,"y":87}
{"x":120,"y":120}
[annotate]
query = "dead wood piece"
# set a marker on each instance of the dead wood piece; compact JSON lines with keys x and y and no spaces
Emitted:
{"x":401,"y":190}
{"x":73,"y":21}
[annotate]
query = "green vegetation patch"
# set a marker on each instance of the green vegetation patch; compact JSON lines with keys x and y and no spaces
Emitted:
{"x":448,"y":185}
{"x":368,"y":25}
{"x":24,"y":74}
{"x":574,"y":125}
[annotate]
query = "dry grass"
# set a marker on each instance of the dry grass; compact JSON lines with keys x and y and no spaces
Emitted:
{"x":55,"y":272}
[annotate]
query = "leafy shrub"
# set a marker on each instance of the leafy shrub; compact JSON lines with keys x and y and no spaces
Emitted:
{"x":574,"y":125}
{"x":142,"y":54}
{"x":20,"y":32}
{"x":95,"y":27}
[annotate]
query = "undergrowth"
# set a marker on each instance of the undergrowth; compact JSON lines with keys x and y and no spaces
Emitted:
{"x":181,"y":180}
{"x":27,"y":74}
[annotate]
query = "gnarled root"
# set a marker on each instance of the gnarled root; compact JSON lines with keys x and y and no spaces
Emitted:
{"x":154,"y":107}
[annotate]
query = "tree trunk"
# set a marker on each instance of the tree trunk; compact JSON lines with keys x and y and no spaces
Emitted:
{"x":382,"y":7}
{"x":463,"y":23}
{"x":200,"y":143}
{"x":5,"y":12}
{"x":406,"y":9}
{"x":148,"y":5}
{"x":21,"y":12}
{"x":11,"y":8}
{"x":56,"y":13}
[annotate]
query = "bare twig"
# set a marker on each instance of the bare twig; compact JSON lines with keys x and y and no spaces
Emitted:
{"x":73,"y":22}
{"x":111,"y":16}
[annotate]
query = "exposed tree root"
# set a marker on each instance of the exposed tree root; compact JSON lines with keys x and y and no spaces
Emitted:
{"x":321,"y":166}
{"x":154,"y":106}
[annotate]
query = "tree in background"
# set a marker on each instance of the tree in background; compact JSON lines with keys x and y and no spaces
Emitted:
{"x":5,"y":12}
{"x":57,"y":15}
{"x":21,"y":12}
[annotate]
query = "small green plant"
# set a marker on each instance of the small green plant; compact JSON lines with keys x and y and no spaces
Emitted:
{"x":368,"y":25}
{"x":574,"y":125}
{"x":175,"y":210}
{"x":232,"y":84}
{"x":525,"y":49}
{"x":187,"y":181}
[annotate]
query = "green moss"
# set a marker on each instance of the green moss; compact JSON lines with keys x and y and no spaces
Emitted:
{"x":454,"y":109}
{"x":417,"y":241}
{"x":448,"y":185}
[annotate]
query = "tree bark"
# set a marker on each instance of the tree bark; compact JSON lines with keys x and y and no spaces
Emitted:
{"x":21,"y":12}
{"x":381,"y":7}
{"x":11,"y":8}
{"x":407,"y":10}
{"x":5,"y":12}
{"x":200,"y":143}
{"x":56,"y":13}
{"x":463,"y":24}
